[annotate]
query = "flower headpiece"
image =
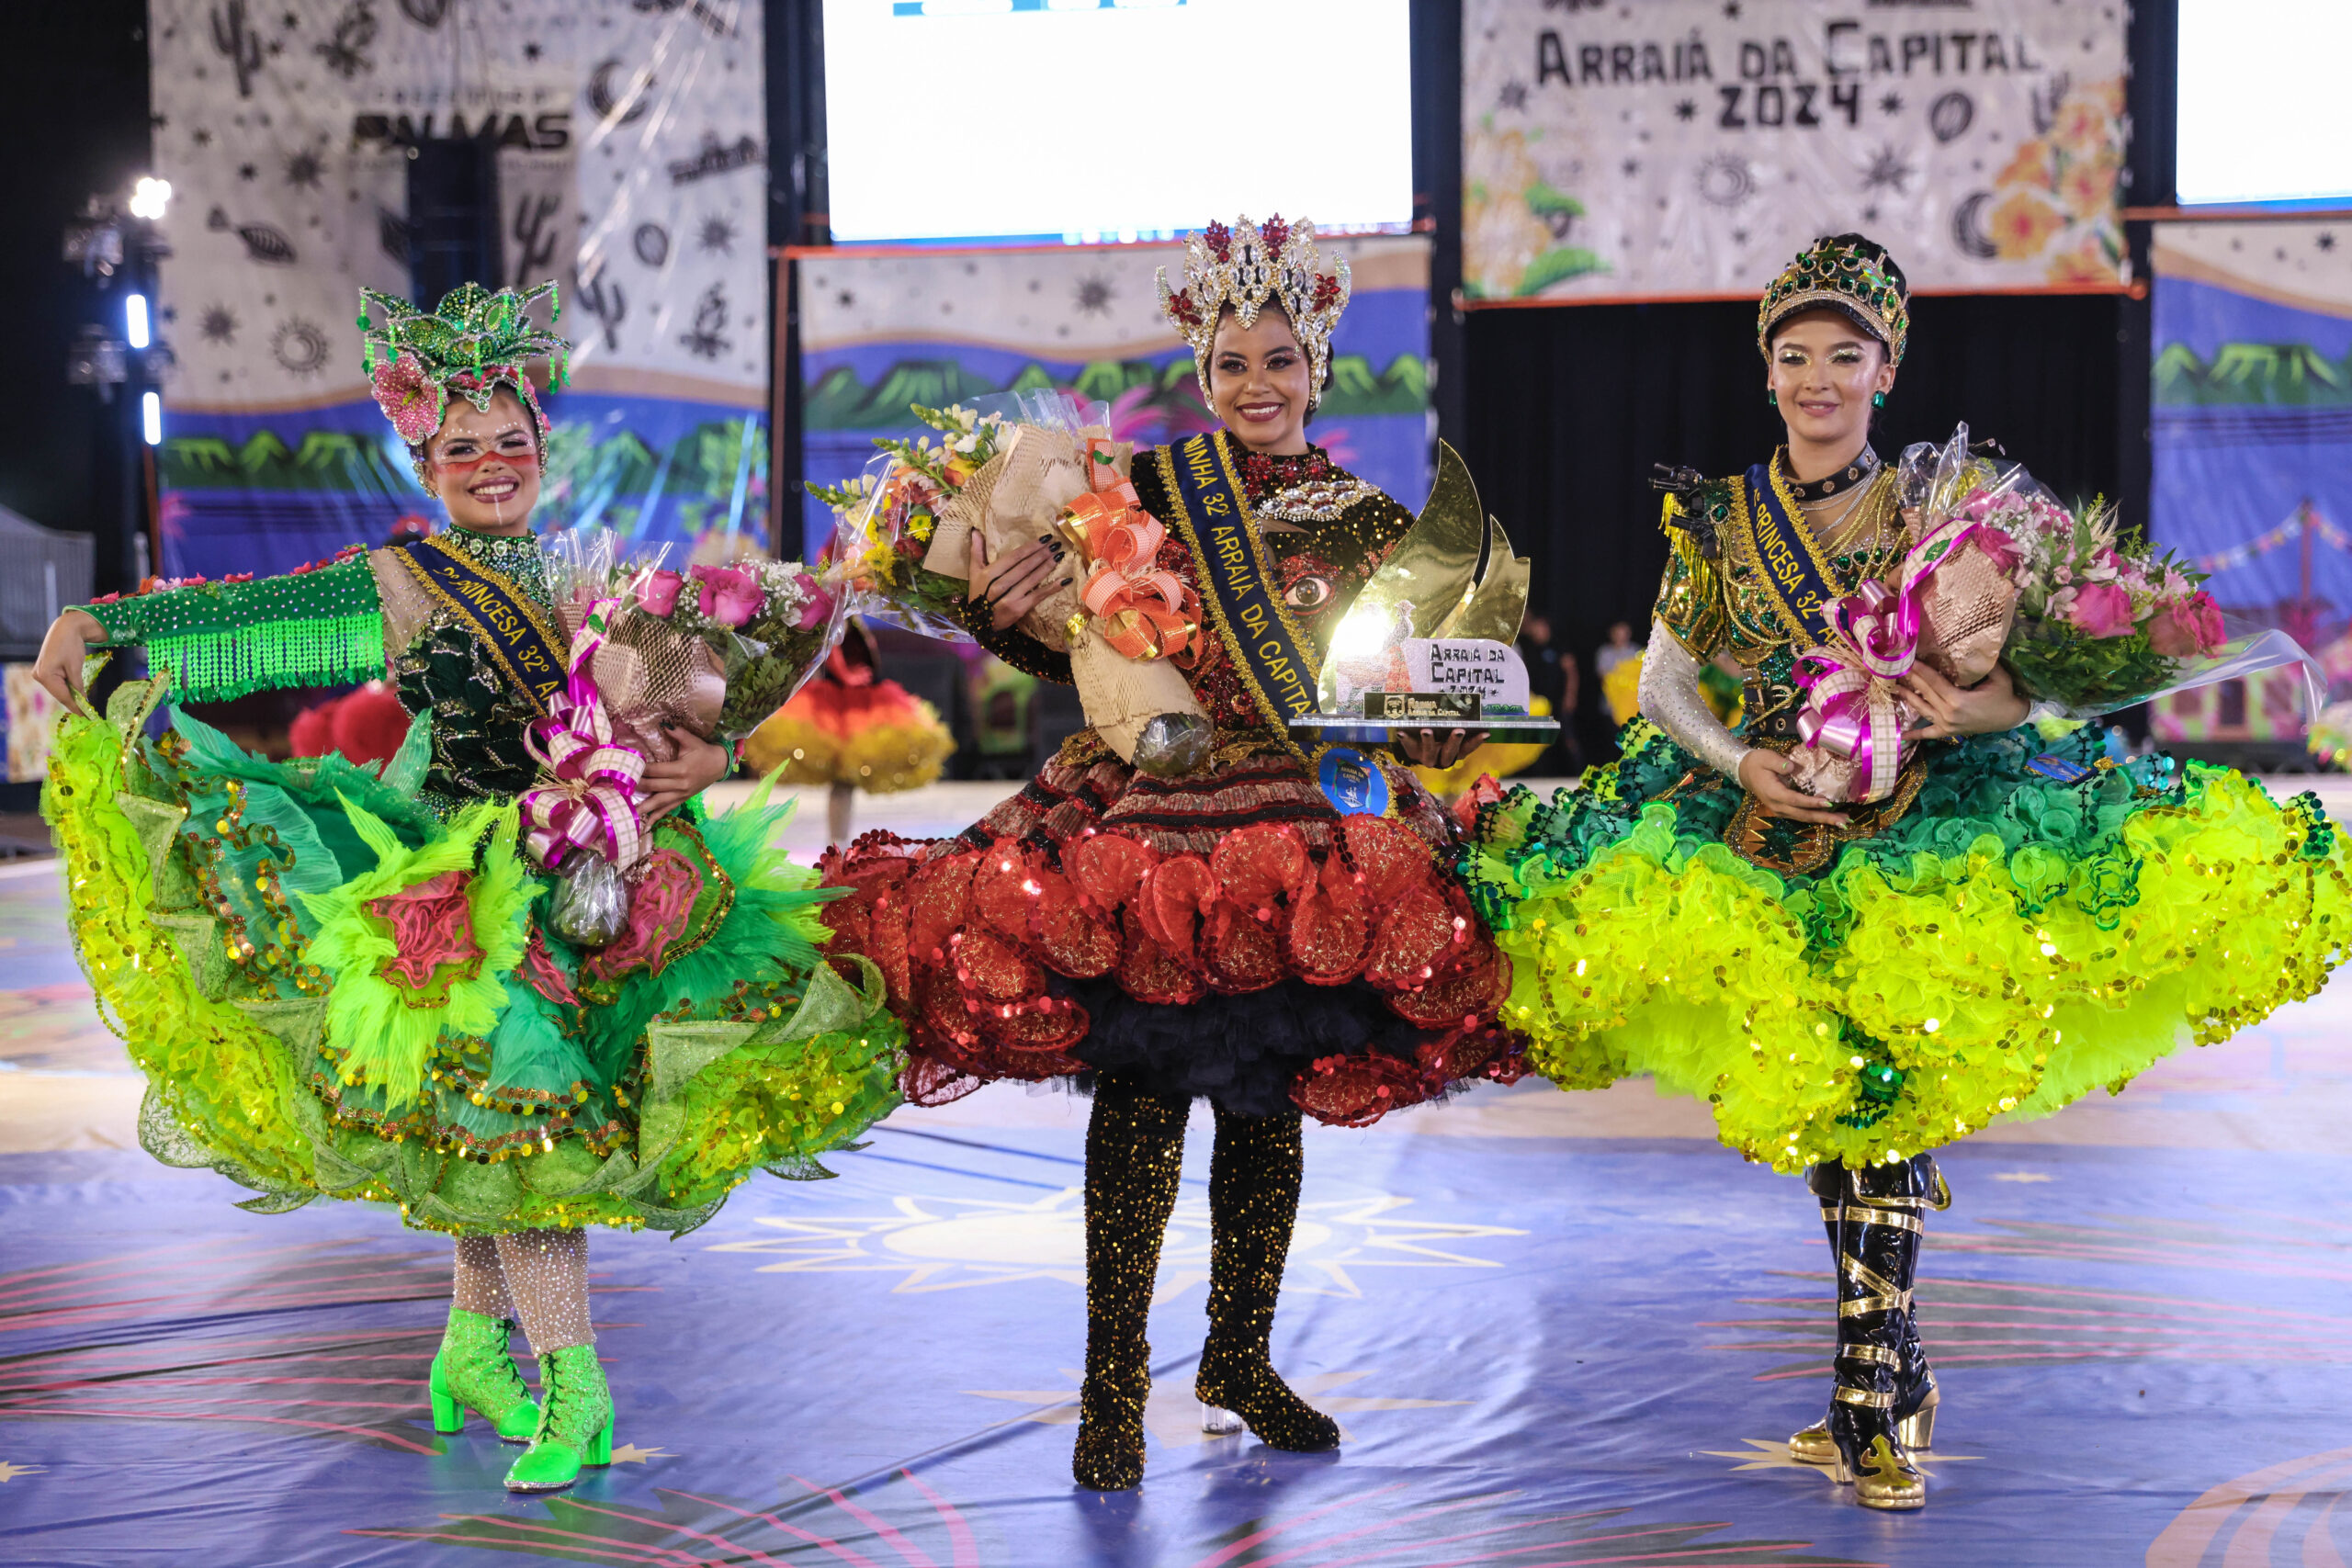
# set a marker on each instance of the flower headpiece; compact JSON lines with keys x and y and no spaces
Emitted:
{"x":1847,"y":273}
{"x":1242,"y":268}
{"x":474,"y":342}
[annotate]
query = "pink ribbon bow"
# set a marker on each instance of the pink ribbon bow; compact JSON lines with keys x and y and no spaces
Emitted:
{"x":588,"y":796}
{"x":1852,"y":708}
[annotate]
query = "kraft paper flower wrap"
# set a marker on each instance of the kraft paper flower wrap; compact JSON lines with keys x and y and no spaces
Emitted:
{"x":1949,"y":604}
{"x":1949,"y":607}
{"x":1128,"y":626}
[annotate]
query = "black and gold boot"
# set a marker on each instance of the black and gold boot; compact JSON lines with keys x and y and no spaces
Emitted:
{"x":1135,"y":1149}
{"x":1878,"y":1234}
{"x":1915,"y":1396}
{"x":1254,"y":1179}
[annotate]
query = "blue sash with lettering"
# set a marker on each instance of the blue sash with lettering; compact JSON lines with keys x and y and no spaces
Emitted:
{"x":1795,"y":576}
{"x":527,"y":644}
{"x":1276,"y":662}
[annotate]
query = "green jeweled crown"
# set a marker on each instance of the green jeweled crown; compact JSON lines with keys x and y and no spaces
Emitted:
{"x":474,"y":342}
{"x":1841,"y":276}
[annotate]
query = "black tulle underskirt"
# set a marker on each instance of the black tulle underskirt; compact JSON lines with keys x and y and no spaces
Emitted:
{"x":1242,"y":1051}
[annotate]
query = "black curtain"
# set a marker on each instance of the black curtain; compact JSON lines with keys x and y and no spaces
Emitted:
{"x":1568,"y":406}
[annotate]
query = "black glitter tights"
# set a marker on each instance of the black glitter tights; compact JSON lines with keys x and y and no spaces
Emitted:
{"x":1135,"y":1147}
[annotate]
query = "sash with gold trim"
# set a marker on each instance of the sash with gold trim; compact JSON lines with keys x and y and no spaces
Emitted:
{"x":1794,"y":574}
{"x":1277,"y":663}
{"x":526,"y":645}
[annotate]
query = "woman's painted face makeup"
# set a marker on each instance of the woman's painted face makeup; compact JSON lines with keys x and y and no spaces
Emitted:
{"x":485,"y":464}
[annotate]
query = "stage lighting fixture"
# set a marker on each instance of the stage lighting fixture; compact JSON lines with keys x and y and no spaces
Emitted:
{"x":151,"y":417}
{"x":134,"y":318}
{"x":149,"y":197}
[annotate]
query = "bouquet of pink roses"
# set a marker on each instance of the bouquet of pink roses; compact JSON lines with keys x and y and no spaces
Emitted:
{"x":2103,"y":619}
{"x":713,"y":650}
{"x":2088,"y":620}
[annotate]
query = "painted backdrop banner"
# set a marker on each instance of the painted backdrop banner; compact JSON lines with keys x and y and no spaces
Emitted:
{"x":632,"y":168}
{"x":2252,"y":424}
{"x":1690,"y":147}
{"x":880,"y":332}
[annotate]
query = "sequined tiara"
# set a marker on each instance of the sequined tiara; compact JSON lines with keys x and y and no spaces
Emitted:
{"x":1244,"y":268}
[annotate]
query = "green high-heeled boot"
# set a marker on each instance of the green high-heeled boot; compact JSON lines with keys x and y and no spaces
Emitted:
{"x":475,"y":1369}
{"x":575,"y":1425}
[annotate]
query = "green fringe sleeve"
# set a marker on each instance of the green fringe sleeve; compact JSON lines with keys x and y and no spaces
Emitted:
{"x":223,"y":639}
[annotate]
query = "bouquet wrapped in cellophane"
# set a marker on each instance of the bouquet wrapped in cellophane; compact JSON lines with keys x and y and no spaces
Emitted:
{"x":712,"y":650}
{"x":2087,"y":618}
{"x":1042,"y":466}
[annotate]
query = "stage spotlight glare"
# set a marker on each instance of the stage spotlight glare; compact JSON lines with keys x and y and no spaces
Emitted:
{"x":148,"y":198}
{"x":134,"y":311}
{"x":151,"y":417}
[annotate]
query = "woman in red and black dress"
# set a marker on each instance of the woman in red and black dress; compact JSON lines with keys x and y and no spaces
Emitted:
{"x":1234,"y":932}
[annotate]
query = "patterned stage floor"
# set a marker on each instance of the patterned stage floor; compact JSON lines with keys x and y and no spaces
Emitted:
{"x":1558,"y":1330}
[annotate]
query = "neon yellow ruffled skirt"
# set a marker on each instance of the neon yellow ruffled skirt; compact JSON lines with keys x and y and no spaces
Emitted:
{"x":2038,"y":925}
{"x":334,"y":994}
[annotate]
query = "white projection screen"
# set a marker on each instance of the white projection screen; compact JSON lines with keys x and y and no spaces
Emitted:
{"x":1089,"y":121}
{"x":2262,"y":102}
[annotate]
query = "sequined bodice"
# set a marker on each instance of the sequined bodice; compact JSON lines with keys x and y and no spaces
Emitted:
{"x":480,"y":721}
{"x":1325,"y":530}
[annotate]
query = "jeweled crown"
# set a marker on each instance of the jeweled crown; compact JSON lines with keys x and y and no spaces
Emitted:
{"x":472,"y":344}
{"x":1847,"y":274}
{"x":1244,"y":268}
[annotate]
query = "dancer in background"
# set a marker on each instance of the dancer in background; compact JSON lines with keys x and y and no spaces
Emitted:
{"x":345,"y":983}
{"x":2017,"y":923}
{"x":850,"y":730}
{"x":1229,"y":933}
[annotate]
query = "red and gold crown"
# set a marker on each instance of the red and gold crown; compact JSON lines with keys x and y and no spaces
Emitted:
{"x":1242,"y":269}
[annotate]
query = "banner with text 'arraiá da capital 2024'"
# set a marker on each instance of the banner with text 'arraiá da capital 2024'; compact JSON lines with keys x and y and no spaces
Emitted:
{"x":1688,"y":148}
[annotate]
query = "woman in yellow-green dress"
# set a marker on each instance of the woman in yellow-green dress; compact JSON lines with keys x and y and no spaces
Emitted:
{"x":2018,"y":922}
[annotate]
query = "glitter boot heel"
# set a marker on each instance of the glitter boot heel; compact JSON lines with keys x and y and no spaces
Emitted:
{"x":1254,"y":1179}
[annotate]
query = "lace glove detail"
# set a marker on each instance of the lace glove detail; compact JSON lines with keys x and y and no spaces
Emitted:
{"x":1670,"y":699}
{"x":1013,"y":646}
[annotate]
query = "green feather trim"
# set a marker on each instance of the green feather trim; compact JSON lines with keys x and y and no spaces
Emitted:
{"x":384,"y":1036}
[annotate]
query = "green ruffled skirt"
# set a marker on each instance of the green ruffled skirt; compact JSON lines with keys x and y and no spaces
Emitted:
{"x":333,"y":993}
{"x":2011,"y":942}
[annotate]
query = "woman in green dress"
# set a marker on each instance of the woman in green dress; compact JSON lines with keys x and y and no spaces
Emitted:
{"x":344,"y":982}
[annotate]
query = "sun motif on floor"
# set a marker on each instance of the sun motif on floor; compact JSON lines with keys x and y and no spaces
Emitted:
{"x":1172,"y":1415}
{"x":1763,"y":1453}
{"x":947,"y":1243}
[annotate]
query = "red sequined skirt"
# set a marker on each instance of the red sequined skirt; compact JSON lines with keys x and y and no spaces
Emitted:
{"x":1228,"y":934}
